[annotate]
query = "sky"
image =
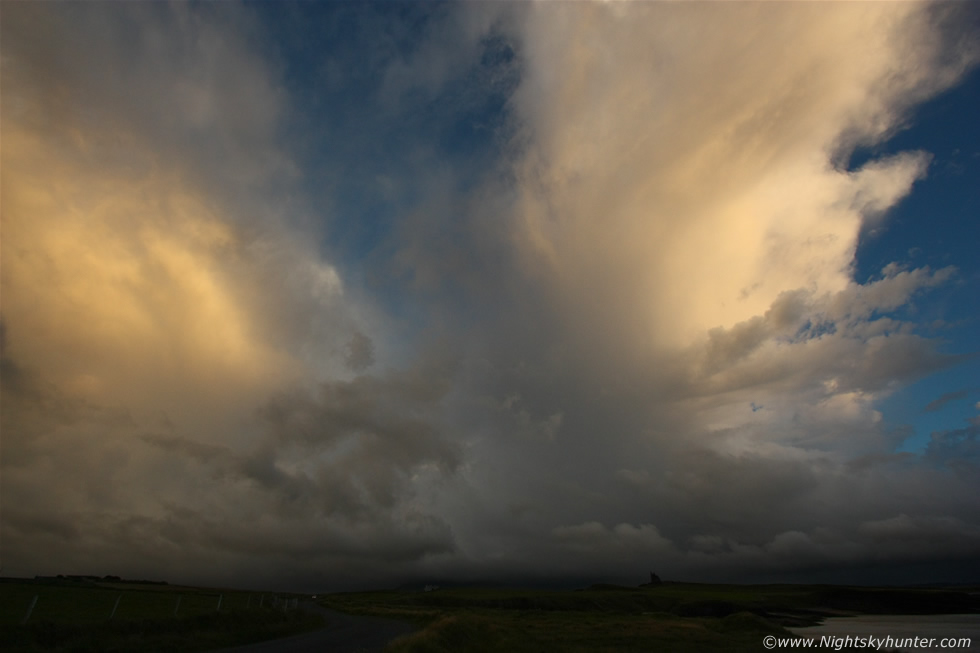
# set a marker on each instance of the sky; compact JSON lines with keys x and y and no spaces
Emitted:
{"x":322,"y":296}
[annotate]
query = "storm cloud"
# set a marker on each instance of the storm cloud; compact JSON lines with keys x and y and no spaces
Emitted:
{"x":530,"y":291}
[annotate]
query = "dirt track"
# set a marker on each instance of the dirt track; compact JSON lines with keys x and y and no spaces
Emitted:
{"x":344,"y":633}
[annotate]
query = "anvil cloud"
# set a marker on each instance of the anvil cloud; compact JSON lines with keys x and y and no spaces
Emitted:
{"x":351,"y":295}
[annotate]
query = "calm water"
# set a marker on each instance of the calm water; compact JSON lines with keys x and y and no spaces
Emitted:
{"x":902,"y":626}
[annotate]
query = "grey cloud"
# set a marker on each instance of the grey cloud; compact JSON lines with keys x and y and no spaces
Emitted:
{"x":625,"y":539}
{"x":958,"y":449}
{"x":727,"y":347}
{"x":904,"y":536}
{"x":29,"y":523}
{"x":690,"y":500}
{"x":35,"y":410}
{"x":329,"y":484}
{"x":360,"y":442}
{"x":411,"y":538}
{"x":895,"y":289}
{"x":940,"y":402}
{"x":359,"y":353}
{"x":193,"y":82}
{"x":182,"y":446}
{"x":898,"y":359}
{"x":831,"y":338}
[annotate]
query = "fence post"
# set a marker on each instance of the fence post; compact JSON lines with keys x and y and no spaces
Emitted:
{"x":262,"y":600}
{"x":29,"y":611}
{"x":177,"y":607}
{"x":248,"y":603}
{"x":114,"y":607}
{"x":220,"y":596}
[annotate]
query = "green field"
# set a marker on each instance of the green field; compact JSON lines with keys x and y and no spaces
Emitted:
{"x":670,"y":617}
{"x":78,"y":615}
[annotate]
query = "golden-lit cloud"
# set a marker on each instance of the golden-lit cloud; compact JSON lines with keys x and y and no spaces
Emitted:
{"x":166,"y":309}
{"x":684,"y":164}
{"x":116,"y":283}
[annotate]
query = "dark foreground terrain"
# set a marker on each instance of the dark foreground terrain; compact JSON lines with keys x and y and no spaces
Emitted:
{"x":108,"y":615}
{"x":75,"y":616}
{"x":669,"y":617}
{"x":342,"y":633}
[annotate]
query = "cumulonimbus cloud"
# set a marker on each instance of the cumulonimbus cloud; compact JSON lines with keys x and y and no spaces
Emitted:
{"x":622,"y":325}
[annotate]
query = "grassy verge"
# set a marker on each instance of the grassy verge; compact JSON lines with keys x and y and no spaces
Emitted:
{"x":486,"y":631}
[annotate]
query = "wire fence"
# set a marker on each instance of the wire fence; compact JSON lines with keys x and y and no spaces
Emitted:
{"x":23,"y":603}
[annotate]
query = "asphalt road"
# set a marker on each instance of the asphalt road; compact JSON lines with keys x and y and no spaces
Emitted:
{"x":344,"y":633}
